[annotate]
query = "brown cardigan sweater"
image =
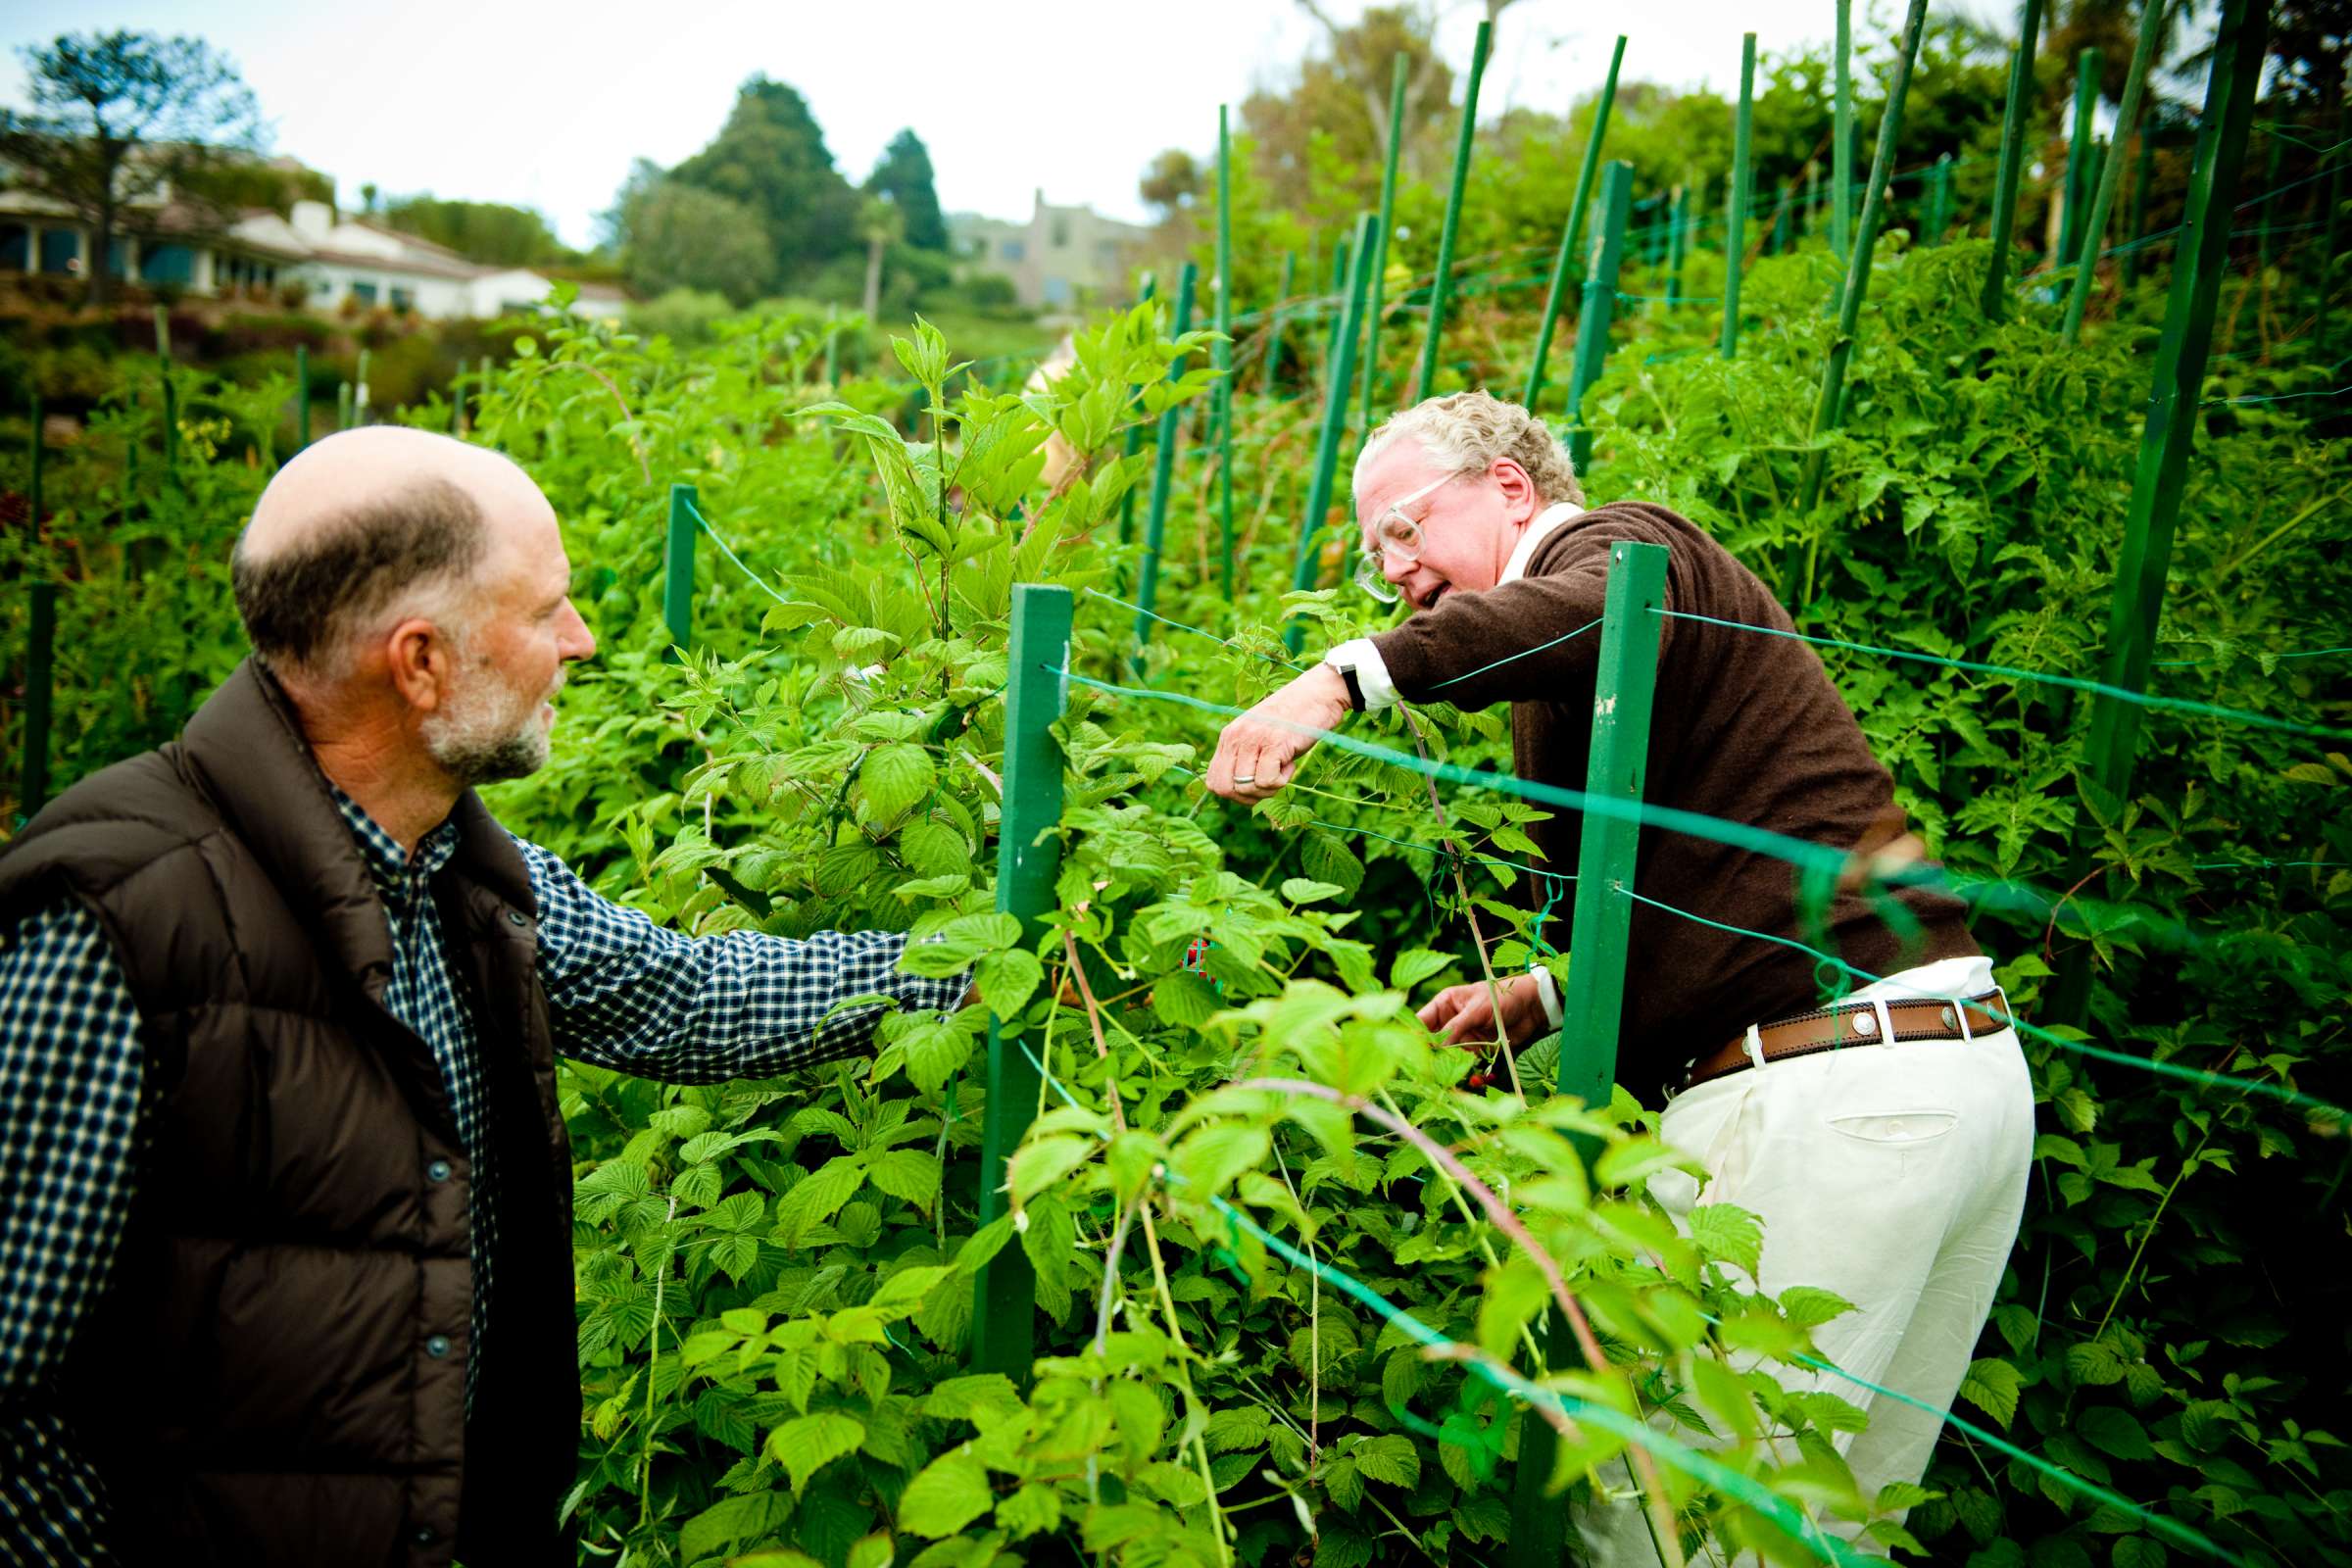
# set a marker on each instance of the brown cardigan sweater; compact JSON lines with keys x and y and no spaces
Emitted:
{"x":1746,"y":727}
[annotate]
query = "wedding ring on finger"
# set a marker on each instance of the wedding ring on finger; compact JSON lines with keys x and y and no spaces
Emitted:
{"x":1244,"y":778}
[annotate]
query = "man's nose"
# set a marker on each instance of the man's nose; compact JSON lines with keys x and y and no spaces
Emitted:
{"x":1396,"y":570}
{"x":574,"y":641}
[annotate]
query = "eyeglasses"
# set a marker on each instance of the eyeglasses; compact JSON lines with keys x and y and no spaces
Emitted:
{"x":1394,"y":534}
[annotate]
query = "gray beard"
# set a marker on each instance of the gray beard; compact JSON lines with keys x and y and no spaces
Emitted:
{"x":476,"y":741}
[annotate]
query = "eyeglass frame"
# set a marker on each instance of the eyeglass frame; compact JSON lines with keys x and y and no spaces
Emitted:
{"x":1369,"y":575}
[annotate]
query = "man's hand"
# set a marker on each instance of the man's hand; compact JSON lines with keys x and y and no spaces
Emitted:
{"x":1465,"y":1013}
{"x":1259,"y":750}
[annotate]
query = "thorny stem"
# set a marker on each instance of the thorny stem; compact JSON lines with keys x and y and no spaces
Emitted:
{"x":645,"y":1493}
{"x":1497,"y":1211}
{"x":1461,"y":888}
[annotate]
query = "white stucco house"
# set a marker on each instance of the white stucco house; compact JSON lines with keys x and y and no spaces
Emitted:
{"x":175,"y":243}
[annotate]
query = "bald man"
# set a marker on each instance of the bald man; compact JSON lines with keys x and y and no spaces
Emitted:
{"x":285,"y":1195}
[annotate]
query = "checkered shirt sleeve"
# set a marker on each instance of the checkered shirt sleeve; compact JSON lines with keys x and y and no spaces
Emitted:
{"x":631,"y":996}
{"x":71,"y":1073}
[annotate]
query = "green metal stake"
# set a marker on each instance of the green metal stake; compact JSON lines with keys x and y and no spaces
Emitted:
{"x":1028,"y":859}
{"x":1425,"y":381}
{"x":1780,"y":218}
{"x":40,"y":677}
{"x":1734,"y":207}
{"x":1336,"y":399}
{"x":39,"y":447}
{"x":1164,"y":476}
{"x":2095,"y":223}
{"x":1586,"y":173}
{"x":2015,"y":119}
{"x":1828,"y":409}
{"x":1812,"y":199}
{"x":832,"y":351}
{"x":2199,"y":262}
{"x":1585,"y":1056}
{"x":678,"y":565}
{"x":1600,"y":305}
{"x":1223,"y":354}
{"x":1679,"y":224}
{"x":1842,"y":133}
{"x":1133,"y":442}
{"x":2143,"y":174}
{"x":2078,"y":156}
{"x":1282,"y":301}
{"x":302,"y":396}
{"x":1939,"y":199}
{"x":1385,"y":227}
{"x":1339,"y":313}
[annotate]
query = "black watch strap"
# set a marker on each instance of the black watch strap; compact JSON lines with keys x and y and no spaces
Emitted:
{"x":1356,"y":690}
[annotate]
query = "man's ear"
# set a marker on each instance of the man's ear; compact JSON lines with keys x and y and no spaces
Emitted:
{"x":422,"y":662}
{"x":1518,"y":490}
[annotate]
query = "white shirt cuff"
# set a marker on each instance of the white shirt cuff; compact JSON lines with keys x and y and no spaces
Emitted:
{"x":1550,"y":995}
{"x":1371,"y":672}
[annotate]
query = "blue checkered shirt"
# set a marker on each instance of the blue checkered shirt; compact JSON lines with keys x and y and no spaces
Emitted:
{"x":622,"y":993}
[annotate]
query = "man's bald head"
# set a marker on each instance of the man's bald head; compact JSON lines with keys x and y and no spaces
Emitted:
{"x":366,"y":527}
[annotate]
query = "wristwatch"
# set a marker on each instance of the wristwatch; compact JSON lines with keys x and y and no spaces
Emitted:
{"x":1355,"y":692}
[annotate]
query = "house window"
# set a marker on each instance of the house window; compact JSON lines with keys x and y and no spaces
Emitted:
{"x":61,"y":250}
{"x":1062,"y":233}
{"x":404,"y":299}
{"x":16,"y":247}
{"x":365,"y":293}
{"x":1058,"y":290}
{"x":169,"y":264}
{"x":1012,"y":250}
{"x":116,"y":261}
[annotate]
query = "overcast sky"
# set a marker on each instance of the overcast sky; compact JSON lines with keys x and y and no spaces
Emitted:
{"x":545,"y":105}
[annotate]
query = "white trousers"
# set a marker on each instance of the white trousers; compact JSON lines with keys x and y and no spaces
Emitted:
{"x":1893,"y":1175}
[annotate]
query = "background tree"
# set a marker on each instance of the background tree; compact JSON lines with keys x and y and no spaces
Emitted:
{"x":903,"y":177}
{"x":1173,"y":180}
{"x":770,"y":157}
{"x":671,"y":235}
{"x":115,"y":118}
{"x":481,"y":231}
{"x":1342,"y":98}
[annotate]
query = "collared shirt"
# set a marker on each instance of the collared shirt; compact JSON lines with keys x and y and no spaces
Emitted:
{"x":622,"y":994}
{"x":1372,"y":671}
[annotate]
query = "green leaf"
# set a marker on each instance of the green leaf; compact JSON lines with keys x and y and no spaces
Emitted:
{"x":1008,"y":980}
{"x":982,"y":1397}
{"x":2113,"y":1430}
{"x":1241,"y":1427}
{"x":1305,"y":890}
{"x":1393,"y":1459}
{"x":806,"y":1446}
{"x":909,"y":1173}
{"x":895,"y":778}
{"x":1729,"y":1233}
{"x":1184,"y":1000}
{"x":1808,"y":1306}
{"x":949,"y":1493}
{"x":1214,"y":1156}
{"x":1992,"y":1386}
{"x":2138,"y":1552}
{"x":1031,"y":1511}
{"x":1416,"y":964}
{"x":1041,"y":1161}
{"x":732,"y":1520}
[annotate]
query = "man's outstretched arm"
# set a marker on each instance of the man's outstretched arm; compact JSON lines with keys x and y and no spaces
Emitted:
{"x":631,"y":996}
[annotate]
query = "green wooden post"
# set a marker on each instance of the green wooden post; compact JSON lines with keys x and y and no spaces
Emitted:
{"x":40,"y":677}
{"x":1606,"y":255}
{"x":1425,"y":381}
{"x":677,"y":566}
{"x":1282,"y":301}
{"x":1384,"y":229}
{"x":1829,"y":408}
{"x":33,"y":484}
{"x":1223,"y":353}
{"x":1586,"y":173}
{"x":1841,"y":132}
{"x":1336,"y":399}
{"x":2015,"y":120}
{"x":1584,"y":1053}
{"x":2095,"y":221}
{"x":1734,"y":205}
{"x":302,"y":396}
{"x":1134,"y":441}
{"x":2078,"y":156}
{"x":2143,"y":174}
{"x":2199,"y":262}
{"x":1004,"y":1294}
{"x":1163,"y":474}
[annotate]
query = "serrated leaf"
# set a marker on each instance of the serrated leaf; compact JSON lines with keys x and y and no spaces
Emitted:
{"x":1008,"y":980}
{"x":1729,"y":1233}
{"x":909,"y":1173}
{"x":1391,"y":1459}
{"x":949,"y":1493}
{"x":1305,"y":890}
{"x":1992,"y":1386}
{"x":806,"y":1446}
{"x":2113,"y":1430}
{"x":1416,"y":964}
{"x":895,"y":778}
{"x":981,"y":1397}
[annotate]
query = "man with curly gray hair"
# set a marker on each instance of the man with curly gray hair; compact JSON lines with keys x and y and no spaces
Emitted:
{"x":1893,"y":1176}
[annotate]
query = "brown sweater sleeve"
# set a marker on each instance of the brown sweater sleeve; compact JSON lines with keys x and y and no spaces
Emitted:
{"x":1455,"y":653}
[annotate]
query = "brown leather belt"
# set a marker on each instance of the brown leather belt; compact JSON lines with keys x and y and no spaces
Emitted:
{"x":1856,"y":1023}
